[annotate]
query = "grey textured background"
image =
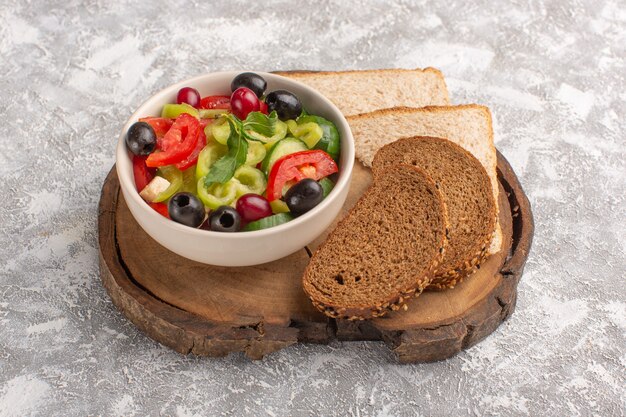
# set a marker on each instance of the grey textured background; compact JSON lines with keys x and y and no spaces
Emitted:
{"x":552,"y":73}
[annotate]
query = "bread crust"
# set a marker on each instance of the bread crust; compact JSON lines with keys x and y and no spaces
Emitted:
{"x":396,"y":301}
{"x":405,"y":109}
{"x":303,"y":74}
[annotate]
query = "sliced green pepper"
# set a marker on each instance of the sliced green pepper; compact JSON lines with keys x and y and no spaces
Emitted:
{"x":218,"y":194}
{"x":309,"y":133}
{"x":281,"y":132}
{"x":256,"y":153}
{"x":279,"y":206}
{"x":220,"y":130}
{"x":209,"y":154}
{"x":251,"y":180}
{"x":175,"y":177}
{"x":211,"y":113}
{"x":189,"y":180}
{"x":172,"y":111}
{"x":329,"y":142}
{"x":280,"y":129}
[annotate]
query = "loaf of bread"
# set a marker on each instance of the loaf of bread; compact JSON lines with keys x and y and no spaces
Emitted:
{"x":466,"y":191}
{"x":355,"y":92}
{"x":469,"y":126}
{"x":384,"y":251}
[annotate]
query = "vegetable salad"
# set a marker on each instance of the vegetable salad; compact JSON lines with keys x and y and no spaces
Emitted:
{"x":242,"y":162}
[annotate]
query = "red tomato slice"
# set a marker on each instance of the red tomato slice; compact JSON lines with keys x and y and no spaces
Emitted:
{"x":215,"y":102}
{"x":171,"y":138}
{"x":315,"y":164}
{"x":161,"y":208}
{"x":263,"y":107}
{"x":192,"y":159}
{"x":160,"y":126}
{"x":178,"y":143}
{"x":143,"y":175}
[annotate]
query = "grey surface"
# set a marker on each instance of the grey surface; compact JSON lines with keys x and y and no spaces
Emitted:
{"x":552,"y":73}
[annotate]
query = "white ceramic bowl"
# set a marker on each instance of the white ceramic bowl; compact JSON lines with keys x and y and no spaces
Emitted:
{"x":245,"y":248}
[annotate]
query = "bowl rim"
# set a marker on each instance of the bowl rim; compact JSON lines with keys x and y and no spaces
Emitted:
{"x":123,"y":160}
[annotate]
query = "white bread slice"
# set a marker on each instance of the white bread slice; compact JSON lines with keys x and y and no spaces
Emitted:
{"x":469,"y":126}
{"x":355,"y":92}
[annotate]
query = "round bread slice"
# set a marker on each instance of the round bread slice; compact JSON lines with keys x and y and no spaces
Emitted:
{"x":383,"y":252}
{"x":467,"y":194}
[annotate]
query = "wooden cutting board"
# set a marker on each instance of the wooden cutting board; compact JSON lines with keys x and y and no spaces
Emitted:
{"x":213,"y":311}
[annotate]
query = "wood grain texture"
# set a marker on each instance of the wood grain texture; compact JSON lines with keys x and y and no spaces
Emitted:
{"x":213,"y":311}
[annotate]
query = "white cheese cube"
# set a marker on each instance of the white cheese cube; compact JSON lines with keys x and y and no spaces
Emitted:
{"x":154,"y":188}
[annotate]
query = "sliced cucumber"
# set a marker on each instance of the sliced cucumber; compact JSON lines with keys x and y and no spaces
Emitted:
{"x":329,"y":142}
{"x":282,"y":148}
{"x":268,"y":222}
{"x":327,"y":185}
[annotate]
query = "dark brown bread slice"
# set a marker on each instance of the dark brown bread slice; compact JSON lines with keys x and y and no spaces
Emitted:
{"x":469,"y":126}
{"x":384,"y":252}
{"x":466,"y":190}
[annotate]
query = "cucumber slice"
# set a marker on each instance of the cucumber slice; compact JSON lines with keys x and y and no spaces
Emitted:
{"x":327,"y":185}
{"x":329,"y":142}
{"x":268,"y":222}
{"x":282,"y":148}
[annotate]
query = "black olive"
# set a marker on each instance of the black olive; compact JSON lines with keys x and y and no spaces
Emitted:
{"x":187,"y":209}
{"x":225,"y":219}
{"x":285,"y":103}
{"x":303,"y":196}
{"x":250,"y":80}
{"x":141,"y":139}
